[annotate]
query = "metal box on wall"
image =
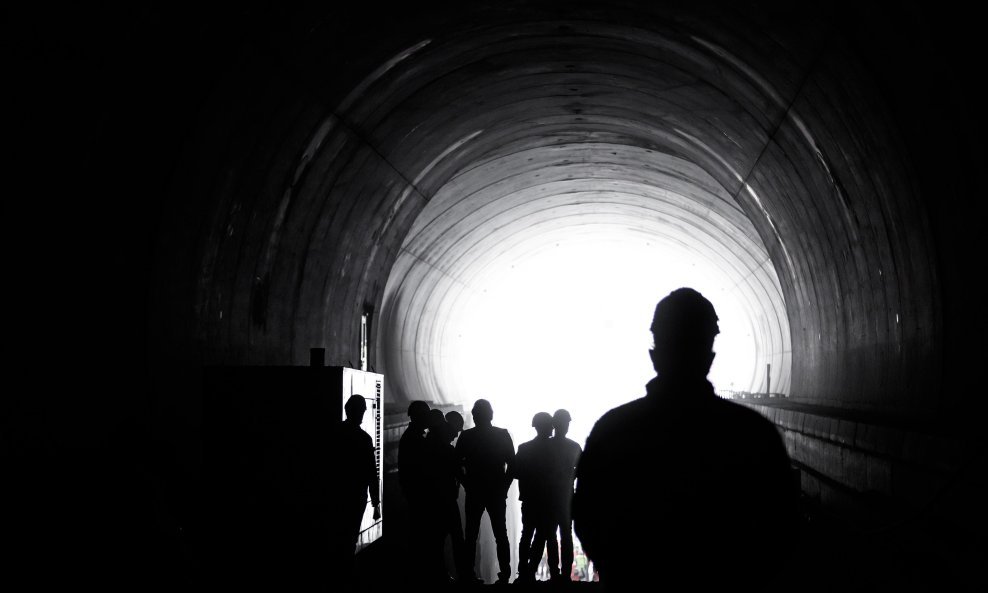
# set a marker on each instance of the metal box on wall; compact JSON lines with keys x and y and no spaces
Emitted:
{"x":268,"y":497}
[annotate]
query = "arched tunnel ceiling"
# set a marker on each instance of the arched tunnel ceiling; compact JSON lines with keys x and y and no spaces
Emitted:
{"x":519,"y":203}
{"x":767,"y":131}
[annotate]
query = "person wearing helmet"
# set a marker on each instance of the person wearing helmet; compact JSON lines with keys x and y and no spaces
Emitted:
{"x":534,"y":466}
{"x":683,"y":483}
{"x":566,"y":453}
{"x":487,"y":456}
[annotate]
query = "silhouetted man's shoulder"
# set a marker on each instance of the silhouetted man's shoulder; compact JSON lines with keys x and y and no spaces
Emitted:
{"x":492,"y":435}
{"x":472,"y":441}
{"x":741,"y":419}
{"x":617,"y":420}
{"x":353,"y":437}
{"x":410,"y":438}
{"x":360,"y":436}
{"x":567,"y":451}
{"x":466,"y":438}
{"x":740,"y":412}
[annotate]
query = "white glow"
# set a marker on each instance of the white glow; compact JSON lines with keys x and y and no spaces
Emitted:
{"x":567,"y":327}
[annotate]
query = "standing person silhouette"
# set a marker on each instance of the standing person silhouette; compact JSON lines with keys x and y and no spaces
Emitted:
{"x":567,"y":454}
{"x":357,"y":475}
{"x":487,"y":455}
{"x":412,"y":464}
{"x":535,"y":465}
{"x":441,"y":487}
{"x":451,"y":510}
{"x":682,"y":486}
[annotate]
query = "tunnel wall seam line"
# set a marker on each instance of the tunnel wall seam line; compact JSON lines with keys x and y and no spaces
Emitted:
{"x":351,"y":129}
{"x":784,"y":116}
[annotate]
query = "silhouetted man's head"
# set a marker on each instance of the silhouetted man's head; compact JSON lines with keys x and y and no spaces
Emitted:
{"x":435,"y":421}
{"x":560,"y":421}
{"x":542,"y":423}
{"x":454,"y":424}
{"x":417,"y":411}
{"x":683,"y":330}
{"x":483,"y":413}
{"x":355,"y":408}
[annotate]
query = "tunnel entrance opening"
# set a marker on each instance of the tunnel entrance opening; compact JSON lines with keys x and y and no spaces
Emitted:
{"x":555,"y":314}
{"x":534,"y":288}
{"x":530,"y":281}
{"x":566,"y":326}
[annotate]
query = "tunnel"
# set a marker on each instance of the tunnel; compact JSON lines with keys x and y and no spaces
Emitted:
{"x":500,"y":192}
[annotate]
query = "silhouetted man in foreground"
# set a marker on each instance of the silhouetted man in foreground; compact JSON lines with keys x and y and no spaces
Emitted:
{"x":567,"y":454}
{"x":413,"y":478}
{"x":357,"y":475}
{"x":682,"y":487}
{"x":487,"y":455}
{"x":535,"y":465}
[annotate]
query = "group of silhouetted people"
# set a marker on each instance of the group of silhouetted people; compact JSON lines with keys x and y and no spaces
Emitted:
{"x":484,"y":462}
{"x":677,"y":487}
{"x":546,"y":467}
{"x":430,"y":480}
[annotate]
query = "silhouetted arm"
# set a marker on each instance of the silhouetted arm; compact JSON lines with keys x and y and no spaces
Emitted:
{"x":573,"y":462}
{"x":460,"y":452}
{"x":456,"y":465}
{"x":370,"y":473}
{"x":403,"y":469}
{"x":509,"y":461}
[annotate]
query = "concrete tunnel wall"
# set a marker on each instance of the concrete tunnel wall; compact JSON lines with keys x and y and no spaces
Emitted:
{"x":586,"y":192}
{"x":318,"y":195}
{"x":319,"y":146}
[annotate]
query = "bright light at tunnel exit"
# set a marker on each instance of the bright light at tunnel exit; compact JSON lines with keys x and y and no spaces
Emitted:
{"x":567,"y":327}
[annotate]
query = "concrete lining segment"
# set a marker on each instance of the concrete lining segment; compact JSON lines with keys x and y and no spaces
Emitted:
{"x":522,"y":84}
{"x":696,"y":88}
{"x":498,"y":212}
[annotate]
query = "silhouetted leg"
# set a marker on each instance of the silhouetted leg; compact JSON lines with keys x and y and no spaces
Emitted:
{"x":348,"y":546}
{"x":419,"y":538}
{"x":538,"y":548}
{"x":525,"y":545}
{"x":474,"y":511}
{"x":545,"y":540}
{"x":566,"y":547}
{"x":495,"y":510}
{"x":309,"y":563}
{"x":434,"y":544}
{"x":552,"y":549}
{"x":455,"y":530}
{"x":352,"y":515}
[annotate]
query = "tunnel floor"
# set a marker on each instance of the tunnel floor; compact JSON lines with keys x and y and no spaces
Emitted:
{"x":835,"y":554}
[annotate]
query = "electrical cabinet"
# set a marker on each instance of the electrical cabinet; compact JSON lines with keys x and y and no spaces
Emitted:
{"x":268,"y":497}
